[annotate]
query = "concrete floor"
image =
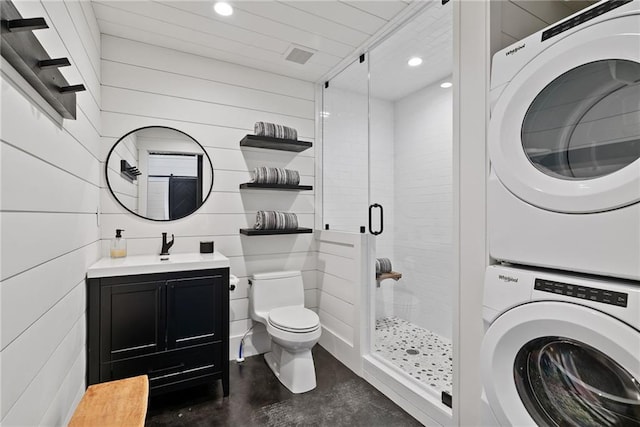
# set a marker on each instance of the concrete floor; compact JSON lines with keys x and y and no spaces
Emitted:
{"x":257,"y":398}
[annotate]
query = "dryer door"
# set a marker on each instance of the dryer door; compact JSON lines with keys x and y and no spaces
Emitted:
{"x":556,"y":363}
{"x":565,"y":133}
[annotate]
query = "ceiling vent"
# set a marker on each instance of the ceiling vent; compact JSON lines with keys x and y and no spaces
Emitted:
{"x":298,"y":54}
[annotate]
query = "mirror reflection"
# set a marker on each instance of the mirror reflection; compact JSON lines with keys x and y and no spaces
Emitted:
{"x":159,"y":173}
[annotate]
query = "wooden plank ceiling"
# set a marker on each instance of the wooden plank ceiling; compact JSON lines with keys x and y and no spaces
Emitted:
{"x":258,"y":34}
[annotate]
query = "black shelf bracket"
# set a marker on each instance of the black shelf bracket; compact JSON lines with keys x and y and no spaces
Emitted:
{"x":128,"y":171}
{"x":23,"y":51}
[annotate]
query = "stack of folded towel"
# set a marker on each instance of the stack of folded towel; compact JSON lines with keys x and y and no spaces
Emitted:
{"x":275,"y":131}
{"x":265,"y":175}
{"x":275,"y":220}
{"x":383,"y":265}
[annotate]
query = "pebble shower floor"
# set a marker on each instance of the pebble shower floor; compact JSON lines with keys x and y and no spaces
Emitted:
{"x":424,"y":355}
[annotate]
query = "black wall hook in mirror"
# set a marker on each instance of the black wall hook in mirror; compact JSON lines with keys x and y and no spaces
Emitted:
{"x":130,"y":172}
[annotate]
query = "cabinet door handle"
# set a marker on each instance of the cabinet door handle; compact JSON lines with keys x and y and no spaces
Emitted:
{"x":161,"y":370}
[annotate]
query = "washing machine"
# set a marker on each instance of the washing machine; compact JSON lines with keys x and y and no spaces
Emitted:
{"x":564,"y":145}
{"x":560,"y":349}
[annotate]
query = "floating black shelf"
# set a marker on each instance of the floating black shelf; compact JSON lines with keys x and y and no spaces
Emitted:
{"x":23,"y":51}
{"x":274,"y":143}
{"x":286,"y":187}
{"x":254,"y":232}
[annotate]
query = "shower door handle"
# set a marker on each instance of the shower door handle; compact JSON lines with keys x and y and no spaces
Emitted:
{"x":371,"y":207}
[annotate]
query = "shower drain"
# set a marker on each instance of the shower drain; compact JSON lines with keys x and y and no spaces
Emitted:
{"x":412,"y":351}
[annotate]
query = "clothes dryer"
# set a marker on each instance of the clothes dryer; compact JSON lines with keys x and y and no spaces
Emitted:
{"x":560,"y":349}
{"x":564,"y":145}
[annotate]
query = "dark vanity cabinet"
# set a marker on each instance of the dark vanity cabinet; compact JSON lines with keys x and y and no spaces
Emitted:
{"x":172,"y":326}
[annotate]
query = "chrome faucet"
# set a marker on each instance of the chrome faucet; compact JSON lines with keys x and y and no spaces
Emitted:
{"x":166,"y":245}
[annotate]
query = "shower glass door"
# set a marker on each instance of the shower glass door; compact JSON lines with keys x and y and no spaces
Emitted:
{"x":411,"y":174}
{"x":388,"y":171}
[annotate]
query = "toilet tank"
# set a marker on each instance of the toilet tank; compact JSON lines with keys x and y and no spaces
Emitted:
{"x":276,"y":289}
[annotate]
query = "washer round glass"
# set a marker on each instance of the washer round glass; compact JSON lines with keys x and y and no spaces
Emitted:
{"x":563,"y":382}
{"x":586,"y":123}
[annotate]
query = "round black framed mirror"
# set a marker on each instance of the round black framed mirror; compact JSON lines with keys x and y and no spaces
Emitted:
{"x":159,"y":173}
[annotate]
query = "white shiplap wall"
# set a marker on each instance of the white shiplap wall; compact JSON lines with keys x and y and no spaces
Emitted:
{"x":341,"y":271}
{"x":424,"y":209}
{"x":50,"y":234}
{"x":217,"y":103}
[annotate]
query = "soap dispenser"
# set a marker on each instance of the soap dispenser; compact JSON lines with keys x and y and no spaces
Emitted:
{"x":118,"y":245}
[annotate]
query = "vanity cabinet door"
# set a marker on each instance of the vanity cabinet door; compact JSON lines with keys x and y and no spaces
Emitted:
{"x":194,"y":311}
{"x":131,"y":320}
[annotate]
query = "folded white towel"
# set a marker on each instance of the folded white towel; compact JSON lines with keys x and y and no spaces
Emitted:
{"x":275,"y":131}
{"x":383,"y":265}
{"x":266,"y":175}
{"x":275,"y":220}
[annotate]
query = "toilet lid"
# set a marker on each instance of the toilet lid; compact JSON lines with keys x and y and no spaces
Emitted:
{"x":294,"y":319}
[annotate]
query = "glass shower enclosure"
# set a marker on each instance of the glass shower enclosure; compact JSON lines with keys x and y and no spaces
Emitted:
{"x":387,"y":171}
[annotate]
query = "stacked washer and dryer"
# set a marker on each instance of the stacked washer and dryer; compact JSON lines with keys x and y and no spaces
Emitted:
{"x":562,"y":302}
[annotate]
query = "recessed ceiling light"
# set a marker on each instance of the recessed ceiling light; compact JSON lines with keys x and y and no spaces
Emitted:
{"x":325,"y":114}
{"x":223,"y":8}
{"x":415,"y":61}
{"x":446,"y":85}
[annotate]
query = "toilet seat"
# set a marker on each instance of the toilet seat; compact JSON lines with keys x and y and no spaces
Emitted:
{"x":294,"y":319}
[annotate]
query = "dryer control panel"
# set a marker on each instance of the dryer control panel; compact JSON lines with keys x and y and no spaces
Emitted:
{"x":582,"y":292}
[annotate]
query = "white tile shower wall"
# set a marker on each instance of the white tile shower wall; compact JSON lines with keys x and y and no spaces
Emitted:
{"x":50,"y":196}
{"x":217,"y":103}
{"x":382,"y":172}
{"x":423,"y":209}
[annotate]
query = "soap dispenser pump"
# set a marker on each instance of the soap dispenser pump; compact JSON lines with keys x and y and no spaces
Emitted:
{"x":118,"y":245}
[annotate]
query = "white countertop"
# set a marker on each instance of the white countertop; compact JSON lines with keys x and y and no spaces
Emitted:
{"x":147,"y":264}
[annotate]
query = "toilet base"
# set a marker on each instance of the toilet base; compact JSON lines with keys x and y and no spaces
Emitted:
{"x":295,"y":370}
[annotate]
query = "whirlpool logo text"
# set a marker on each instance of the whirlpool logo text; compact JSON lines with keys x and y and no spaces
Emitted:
{"x":508,"y":279}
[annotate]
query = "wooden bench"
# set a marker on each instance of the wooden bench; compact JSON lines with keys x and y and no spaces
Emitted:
{"x":114,"y":403}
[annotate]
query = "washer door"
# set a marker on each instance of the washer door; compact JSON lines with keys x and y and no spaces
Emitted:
{"x":556,"y":363}
{"x":565,"y":134}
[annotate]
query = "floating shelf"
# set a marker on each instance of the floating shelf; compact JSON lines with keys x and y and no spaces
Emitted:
{"x":256,"y":186}
{"x":254,"y":232}
{"x":274,"y":143}
{"x":391,"y":275}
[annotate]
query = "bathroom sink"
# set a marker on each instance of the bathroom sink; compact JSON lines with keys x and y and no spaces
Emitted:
{"x":147,"y":264}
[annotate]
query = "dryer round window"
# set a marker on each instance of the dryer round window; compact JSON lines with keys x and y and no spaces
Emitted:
{"x":586,"y":122}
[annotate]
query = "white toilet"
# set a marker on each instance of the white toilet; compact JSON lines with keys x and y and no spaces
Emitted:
{"x":277,"y":301}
